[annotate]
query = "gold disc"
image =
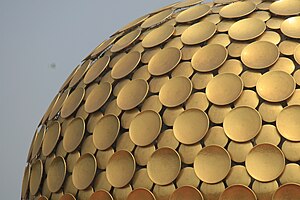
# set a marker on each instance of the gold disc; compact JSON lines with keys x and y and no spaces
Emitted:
{"x":290,"y":150}
{"x":84,"y":171}
{"x":96,"y":69}
{"x":240,"y":192}
{"x":191,"y":126}
{"x":275,"y":86}
{"x":192,"y":13}
{"x":237,"y":9}
{"x":101,"y":194}
{"x":106,"y":131}
{"x":224,"y":89}
{"x":126,"y":40}
{"x":171,"y":57}
{"x":198,"y":33}
{"x":175,"y":91}
{"x":236,"y":123}
{"x":164,"y":166}
{"x":285,"y":7}
{"x":124,"y":142}
{"x":157,"y":18}
{"x":142,"y":180}
{"x":120,"y":168}
{"x":216,"y":136}
{"x":163,"y":192}
{"x":290,"y":174}
{"x":67,"y":197}
{"x":208,"y":161}
{"x":56,"y":174}
{"x":188,"y":153}
{"x":132,"y":94}
{"x":186,"y":192}
{"x":290,"y":27}
{"x":264,"y":190}
{"x":247,"y":29}
{"x":288,"y":47}
{"x":239,"y":150}
{"x":98,"y":97}
{"x":209,"y":57}
{"x":269,"y":111}
{"x":238,"y":175}
{"x":51,"y":138}
{"x":72,"y":102}
{"x":231,"y":66}
{"x":200,"y":80}
{"x":183,"y":69}
{"x":287,"y":122}
{"x":140,"y":193}
{"x":73,"y":134}
{"x":187,"y":176}
{"x":79,"y":73}
{"x":260,"y":54}
{"x":247,"y":98}
{"x":290,"y":191}
{"x":152,"y":103}
{"x":197,"y":100}
{"x":268,"y":134}
{"x":158,"y":36}
{"x":35,"y":176}
{"x":212,"y":191}
{"x":167,"y":139}
{"x":103,"y":157}
{"x":145,"y":127}
{"x":126,"y":64}
{"x":297,"y":54}
{"x":265,"y":162}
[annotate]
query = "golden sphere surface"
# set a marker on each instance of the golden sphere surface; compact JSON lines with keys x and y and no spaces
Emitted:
{"x":196,"y":101}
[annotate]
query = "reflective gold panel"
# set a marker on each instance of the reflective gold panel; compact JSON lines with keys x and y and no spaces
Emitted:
{"x":198,"y":100}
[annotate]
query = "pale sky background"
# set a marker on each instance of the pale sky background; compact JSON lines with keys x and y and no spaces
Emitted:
{"x":35,"y":34}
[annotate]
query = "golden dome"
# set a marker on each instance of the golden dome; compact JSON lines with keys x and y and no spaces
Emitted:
{"x":197,"y":101}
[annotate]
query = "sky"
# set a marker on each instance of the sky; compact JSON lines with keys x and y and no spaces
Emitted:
{"x":41,"y":42}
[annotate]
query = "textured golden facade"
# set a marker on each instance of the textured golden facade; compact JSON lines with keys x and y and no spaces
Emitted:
{"x":193,"y":101}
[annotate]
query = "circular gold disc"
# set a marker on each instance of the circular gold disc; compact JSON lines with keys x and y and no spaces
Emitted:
{"x":120,"y":168}
{"x":237,"y":9}
{"x":164,"y":166}
{"x":101,"y":194}
{"x":242,"y":123}
{"x":158,"y":36}
{"x":56,"y":174}
{"x":72,"y":102}
{"x":106,"y":131}
{"x":132,"y":94}
{"x":198,"y":33}
{"x":126,"y":64}
{"x":238,"y":175}
{"x":186,"y":192}
{"x":73,"y":134}
{"x":145,"y":127}
{"x":275,"y":86}
{"x":264,"y":190}
{"x":35,"y":176}
{"x":96,"y":69}
{"x":287,"y":122}
{"x":140,"y":193}
{"x":260,"y":54}
{"x":126,"y":40}
{"x":175,"y":91}
{"x":208,"y":161}
{"x":171,"y":57}
{"x":224,"y":88}
{"x":97,"y":97}
{"x":193,"y":13}
{"x":157,"y":18}
{"x":290,"y":27}
{"x":84,"y":171}
{"x":67,"y":197}
{"x":209,"y":57}
{"x":290,"y":191}
{"x":239,"y":192}
{"x":51,"y":138}
{"x":265,"y":162}
{"x":239,"y":150}
{"x":212,"y":191}
{"x":285,"y":7}
{"x":186,"y":177}
{"x":290,"y":150}
{"x":297,"y":54}
{"x":247,"y":29}
{"x":191,"y":126}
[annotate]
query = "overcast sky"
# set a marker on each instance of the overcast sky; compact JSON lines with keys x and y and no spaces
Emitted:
{"x":35,"y":36}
